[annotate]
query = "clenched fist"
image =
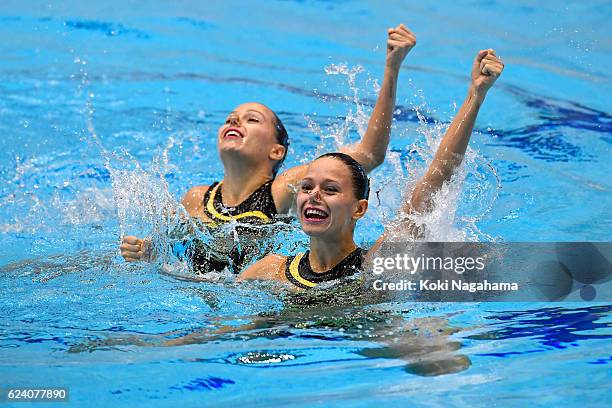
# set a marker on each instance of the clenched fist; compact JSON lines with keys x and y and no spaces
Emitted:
{"x":134,"y":249}
{"x":400,"y":41}
{"x":486,"y":69}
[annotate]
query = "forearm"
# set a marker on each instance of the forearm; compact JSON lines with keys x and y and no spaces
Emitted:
{"x":456,"y":139}
{"x":376,"y":138}
{"x":450,"y":153}
{"x":371,"y":150}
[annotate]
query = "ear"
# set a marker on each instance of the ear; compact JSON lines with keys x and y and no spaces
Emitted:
{"x":360,"y":210}
{"x":277,"y":152}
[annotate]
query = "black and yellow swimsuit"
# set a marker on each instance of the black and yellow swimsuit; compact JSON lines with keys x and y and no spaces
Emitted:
{"x":258,"y":209}
{"x":299,"y":272}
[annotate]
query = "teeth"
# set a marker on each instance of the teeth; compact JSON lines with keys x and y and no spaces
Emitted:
{"x":233,"y":133}
{"x":312,"y":211}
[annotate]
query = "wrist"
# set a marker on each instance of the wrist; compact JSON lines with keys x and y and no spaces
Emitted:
{"x":148,"y":250}
{"x":391,"y":70}
{"x":478,"y":95}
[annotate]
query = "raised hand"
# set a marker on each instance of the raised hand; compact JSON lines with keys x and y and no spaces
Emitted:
{"x":400,"y":41}
{"x":134,"y":249}
{"x":486,"y":69}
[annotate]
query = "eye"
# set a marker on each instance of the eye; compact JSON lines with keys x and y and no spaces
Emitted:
{"x":305,"y":187}
{"x":254,"y":120}
{"x":332,"y":189}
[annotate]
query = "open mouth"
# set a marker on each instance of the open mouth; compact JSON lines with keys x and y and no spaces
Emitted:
{"x":233,"y":133}
{"x":311,"y":214}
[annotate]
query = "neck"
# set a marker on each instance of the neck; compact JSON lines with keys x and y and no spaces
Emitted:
{"x":241,"y":179}
{"x":327,"y":253}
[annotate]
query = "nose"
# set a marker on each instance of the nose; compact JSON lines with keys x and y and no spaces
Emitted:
{"x":234,"y":120}
{"x":314,"y":195}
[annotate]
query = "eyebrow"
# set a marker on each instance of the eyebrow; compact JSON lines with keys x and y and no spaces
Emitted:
{"x":331,"y":181}
{"x":251,"y":110}
{"x":324,"y":181}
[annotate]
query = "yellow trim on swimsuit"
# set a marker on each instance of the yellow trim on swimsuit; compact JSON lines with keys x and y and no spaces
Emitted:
{"x":293,"y":269}
{"x":211,"y":209}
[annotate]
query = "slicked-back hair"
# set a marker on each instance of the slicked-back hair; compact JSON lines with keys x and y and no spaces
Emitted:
{"x":282,"y":138}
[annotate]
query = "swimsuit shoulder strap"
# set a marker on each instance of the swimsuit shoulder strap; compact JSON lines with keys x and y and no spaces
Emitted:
{"x":207,"y":195}
{"x":292,"y":271}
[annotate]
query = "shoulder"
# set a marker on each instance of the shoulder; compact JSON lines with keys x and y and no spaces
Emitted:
{"x":284,"y":187}
{"x":271,"y":267}
{"x":192,"y":200}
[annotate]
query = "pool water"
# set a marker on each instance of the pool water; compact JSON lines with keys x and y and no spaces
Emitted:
{"x":109,"y":114}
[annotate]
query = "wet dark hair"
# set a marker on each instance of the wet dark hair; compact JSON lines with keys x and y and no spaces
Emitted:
{"x":361,"y":182}
{"x":282,"y":137}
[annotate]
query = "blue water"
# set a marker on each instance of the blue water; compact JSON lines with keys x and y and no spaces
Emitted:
{"x":101,"y":101}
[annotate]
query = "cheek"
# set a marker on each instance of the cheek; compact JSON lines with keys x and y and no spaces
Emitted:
{"x":339,"y":205}
{"x":301,"y":198}
{"x":265,"y":134}
{"x":258,"y":138}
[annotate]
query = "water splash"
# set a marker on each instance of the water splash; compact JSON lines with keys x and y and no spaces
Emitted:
{"x":145,"y":207}
{"x":356,"y":116}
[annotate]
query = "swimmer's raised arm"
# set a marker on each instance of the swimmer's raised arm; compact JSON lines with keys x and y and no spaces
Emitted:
{"x":487,"y":67}
{"x":371,"y":150}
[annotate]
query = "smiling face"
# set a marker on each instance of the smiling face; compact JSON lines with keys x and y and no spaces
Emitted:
{"x":249,"y":132}
{"x":326,"y":200}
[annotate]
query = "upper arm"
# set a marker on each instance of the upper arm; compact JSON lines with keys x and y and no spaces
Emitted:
{"x":284,"y":187}
{"x":193,"y":200}
{"x":439,"y":172}
{"x":268,"y":268}
{"x":421,"y":197}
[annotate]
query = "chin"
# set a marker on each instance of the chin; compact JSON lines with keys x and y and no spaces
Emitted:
{"x":229,"y":146}
{"x":315,"y":230}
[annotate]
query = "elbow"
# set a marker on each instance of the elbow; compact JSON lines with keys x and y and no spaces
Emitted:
{"x":421,"y":200}
{"x":376,"y":159}
{"x":373,"y":165}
